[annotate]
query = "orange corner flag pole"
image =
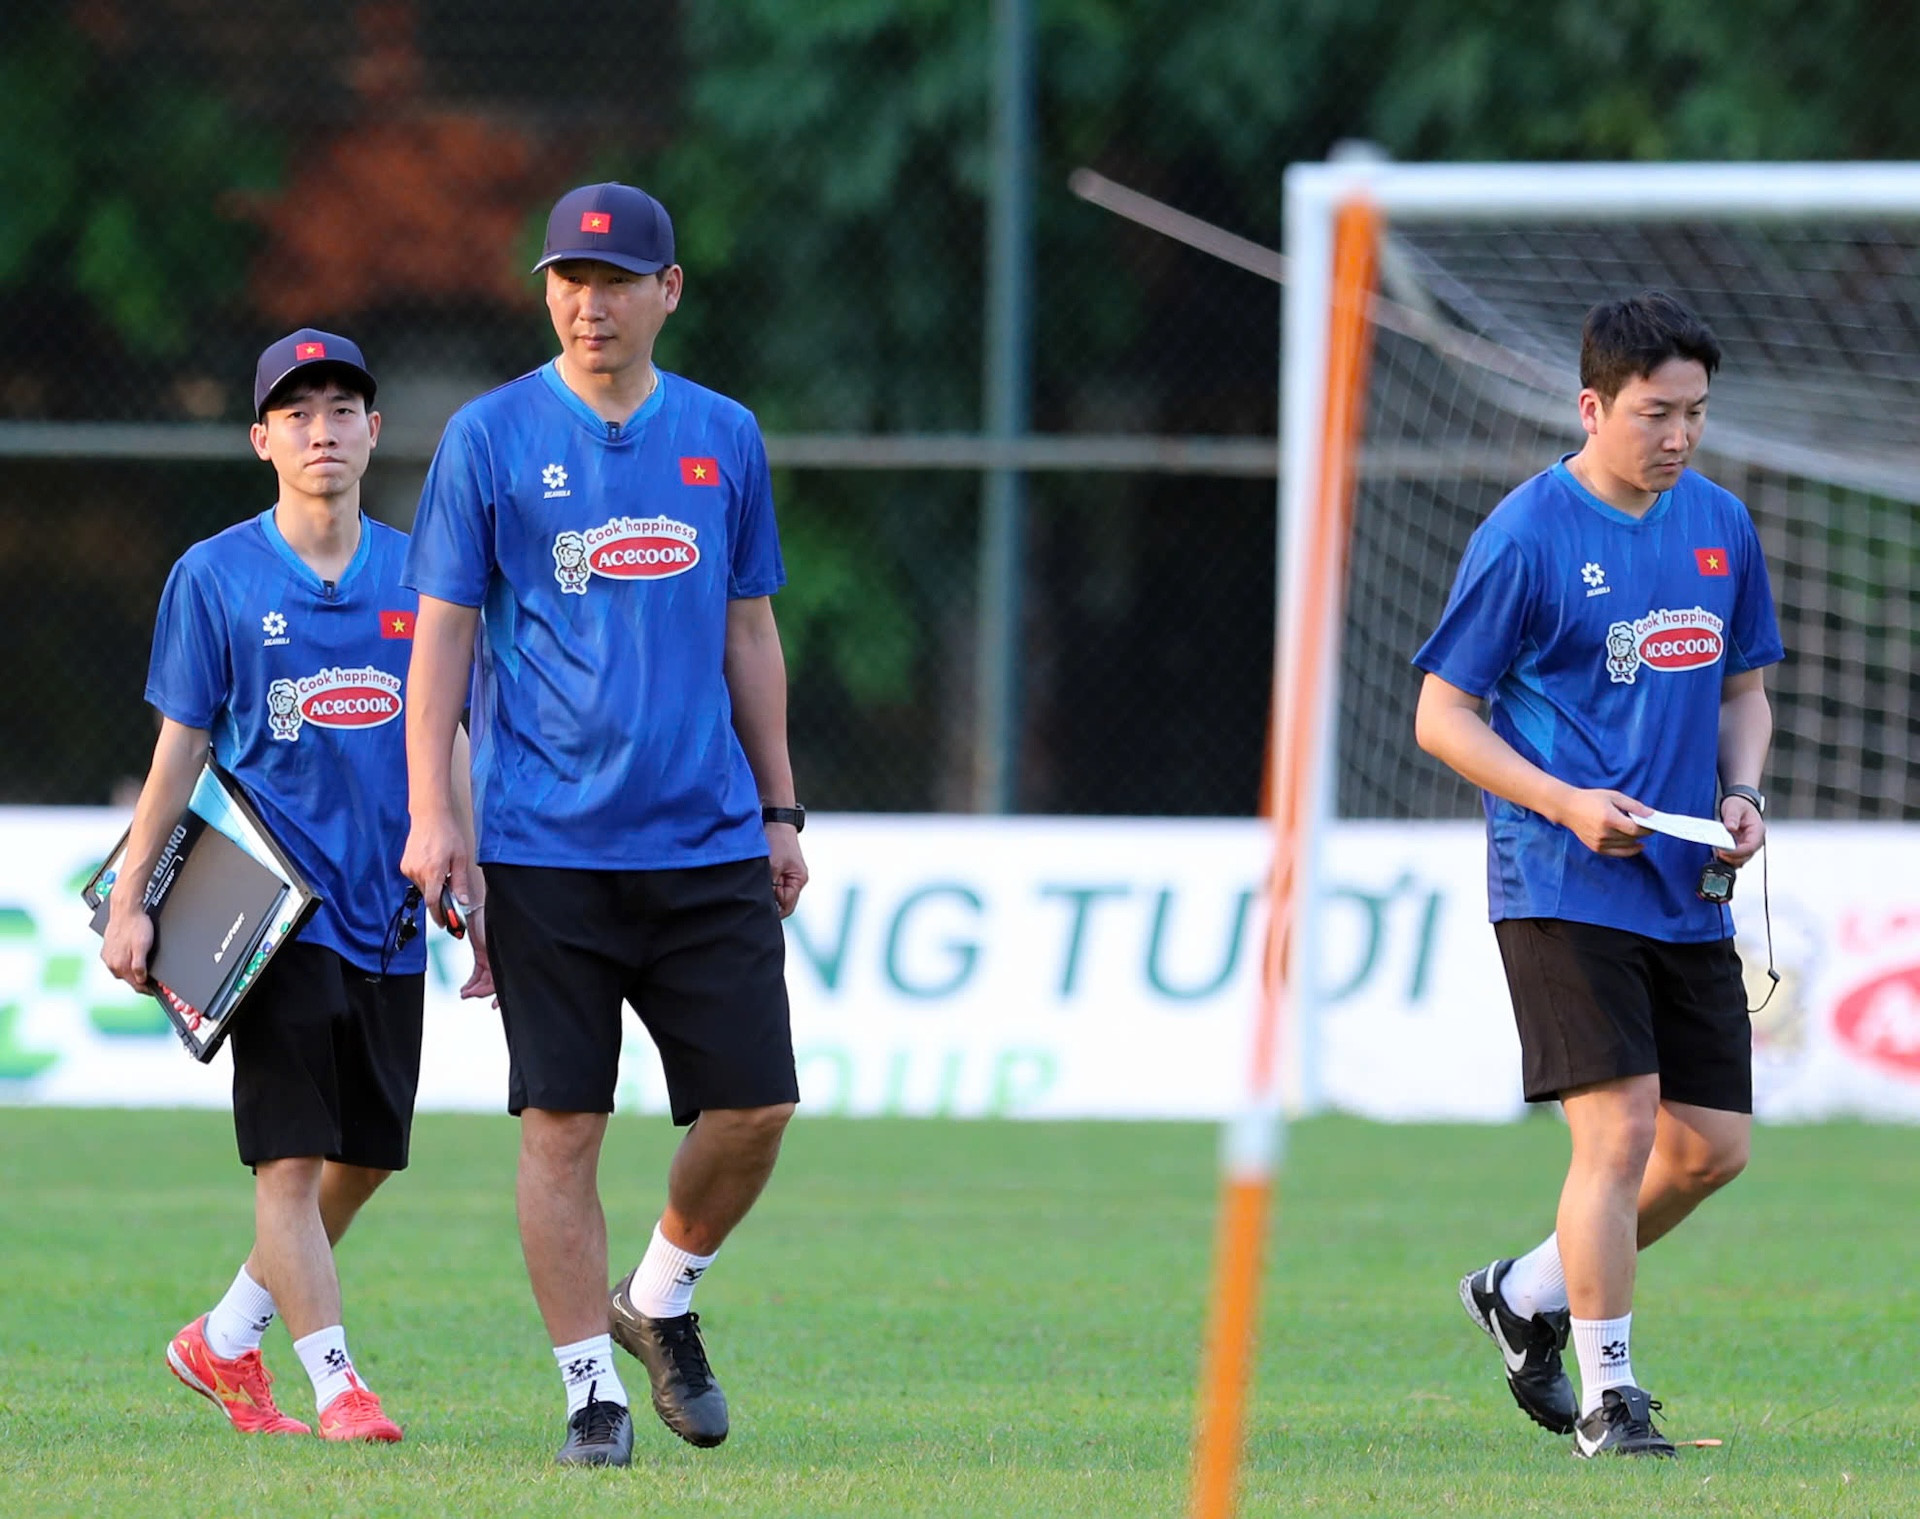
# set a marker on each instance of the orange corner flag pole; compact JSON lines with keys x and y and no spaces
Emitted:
{"x":1254,"y":1137}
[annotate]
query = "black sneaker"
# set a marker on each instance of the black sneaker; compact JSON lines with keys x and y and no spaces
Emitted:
{"x":598,"y":1434}
{"x":1621,"y":1426}
{"x":1530,"y":1347}
{"x":685,"y":1395}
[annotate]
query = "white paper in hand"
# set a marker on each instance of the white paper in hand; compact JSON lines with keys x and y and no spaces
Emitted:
{"x":1695,"y":830}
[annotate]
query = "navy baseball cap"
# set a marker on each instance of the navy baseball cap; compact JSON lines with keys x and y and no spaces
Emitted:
{"x":303,"y":350}
{"x":613,"y":223}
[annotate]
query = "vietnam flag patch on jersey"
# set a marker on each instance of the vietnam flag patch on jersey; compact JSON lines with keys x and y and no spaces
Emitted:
{"x":1711,"y":561}
{"x":396,"y":624}
{"x":699,"y":471}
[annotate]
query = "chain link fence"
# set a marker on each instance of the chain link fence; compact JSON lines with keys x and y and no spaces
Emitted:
{"x":181,"y":181}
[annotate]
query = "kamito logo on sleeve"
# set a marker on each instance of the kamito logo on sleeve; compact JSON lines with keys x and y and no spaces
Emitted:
{"x":1668,"y":640}
{"x":625,"y":548}
{"x":333,"y":698}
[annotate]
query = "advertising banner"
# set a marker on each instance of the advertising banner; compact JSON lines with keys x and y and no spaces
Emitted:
{"x":1077,"y":968}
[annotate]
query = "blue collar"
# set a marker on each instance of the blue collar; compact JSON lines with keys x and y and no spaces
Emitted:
{"x":300,"y":566}
{"x":609,"y":432}
{"x":1612,"y":513}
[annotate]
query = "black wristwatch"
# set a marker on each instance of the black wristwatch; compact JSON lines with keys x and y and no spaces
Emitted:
{"x":796,"y":815}
{"x":1746,"y":794}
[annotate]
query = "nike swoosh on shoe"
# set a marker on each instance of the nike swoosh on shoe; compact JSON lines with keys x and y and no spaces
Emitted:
{"x":1516,"y":1359}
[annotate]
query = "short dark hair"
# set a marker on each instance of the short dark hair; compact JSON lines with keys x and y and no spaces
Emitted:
{"x":1629,"y":339}
{"x":316,"y":377}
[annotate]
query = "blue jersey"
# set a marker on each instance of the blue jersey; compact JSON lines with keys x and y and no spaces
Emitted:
{"x":299,"y":682}
{"x":1599,"y":643}
{"x":603,"y":557}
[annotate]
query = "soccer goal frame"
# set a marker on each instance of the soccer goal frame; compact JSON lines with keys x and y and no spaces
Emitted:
{"x":1324,"y":363}
{"x":1336,"y":216}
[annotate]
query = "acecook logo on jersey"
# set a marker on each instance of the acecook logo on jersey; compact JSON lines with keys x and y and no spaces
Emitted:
{"x":624,"y":548}
{"x":363,"y":697}
{"x":1667,"y":640}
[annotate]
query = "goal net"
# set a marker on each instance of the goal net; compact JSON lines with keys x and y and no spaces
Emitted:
{"x":1809,"y":275}
{"x":1430,"y":363}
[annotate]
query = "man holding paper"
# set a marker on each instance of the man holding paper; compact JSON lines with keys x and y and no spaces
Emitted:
{"x":282,"y":645}
{"x":1597,"y":672}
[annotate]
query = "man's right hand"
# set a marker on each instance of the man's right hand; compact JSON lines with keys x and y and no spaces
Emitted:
{"x":1605,"y":821}
{"x":129,"y":940}
{"x":436,"y":851}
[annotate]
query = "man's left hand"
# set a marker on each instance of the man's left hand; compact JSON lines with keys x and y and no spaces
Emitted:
{"x":789,"y":866}
{"x":1748,"y":828}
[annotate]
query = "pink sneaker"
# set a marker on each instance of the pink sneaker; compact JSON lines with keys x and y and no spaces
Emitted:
{"x":356,"y":1415}
{"x":242,"y":1386}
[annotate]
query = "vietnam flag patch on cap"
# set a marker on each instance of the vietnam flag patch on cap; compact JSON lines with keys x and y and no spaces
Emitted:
{"x":305,"y":351}
{"x":396,"y":624}
{"x":1711,"y":561}
{"x":699,"y":471}
{"x":596,"y":221}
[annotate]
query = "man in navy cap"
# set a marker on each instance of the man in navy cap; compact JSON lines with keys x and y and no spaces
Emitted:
{"x":610,"y":529}
{"x":258,"y":626}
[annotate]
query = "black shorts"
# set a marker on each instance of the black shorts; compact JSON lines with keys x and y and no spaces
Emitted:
{"x":1595,"y":1004}
{"x":326,"y":1060}
{"x":698,"y":952}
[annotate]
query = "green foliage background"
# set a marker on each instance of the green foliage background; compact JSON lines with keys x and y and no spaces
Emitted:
{"x":828,"y":169}
{"x":119,"y":186}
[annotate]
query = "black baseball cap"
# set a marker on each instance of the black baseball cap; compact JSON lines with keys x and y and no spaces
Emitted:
{"x":306,"y":349}
{"x":613,"y":223}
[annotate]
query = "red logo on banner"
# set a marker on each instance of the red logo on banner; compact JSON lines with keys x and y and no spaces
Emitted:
{"x":1711,"y":561}
{"x":596,"y":221}
{"x":305,"y":351}
{"x":396,"y":624}
{"x":699,"y":471}
{"x":1880,"y":1021}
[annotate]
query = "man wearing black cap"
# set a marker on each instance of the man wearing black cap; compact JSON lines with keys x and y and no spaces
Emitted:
{"x":258,"y":627}
{"x":610,"y":530}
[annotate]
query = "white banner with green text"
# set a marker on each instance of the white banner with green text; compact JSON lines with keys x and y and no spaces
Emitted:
{"x":1055,"y":968}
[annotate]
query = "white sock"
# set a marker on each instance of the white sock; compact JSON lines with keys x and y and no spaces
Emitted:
{"x":237,"y":1322}
{"x":664,"y":1281}
{"x":329,"y":1367}
{"x":587,"y":1369}
{"x":1603,"y":1346}
{"x":1537,"y":1282}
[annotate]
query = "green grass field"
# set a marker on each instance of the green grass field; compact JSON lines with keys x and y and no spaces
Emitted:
{"x":959,"y":1319}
